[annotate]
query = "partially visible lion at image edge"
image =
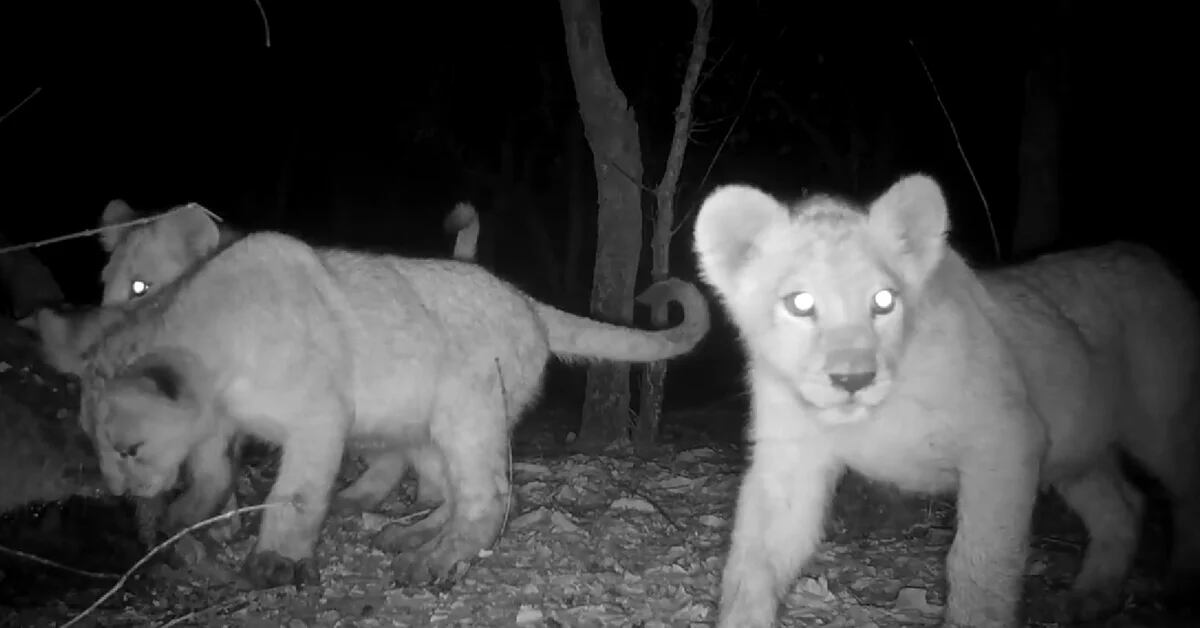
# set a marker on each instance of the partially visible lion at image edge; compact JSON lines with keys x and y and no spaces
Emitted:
{"x":871,"y":345}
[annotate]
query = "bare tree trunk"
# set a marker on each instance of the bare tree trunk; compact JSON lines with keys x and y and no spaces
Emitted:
{"x":612,"y":134}
{"x":650,"y":408}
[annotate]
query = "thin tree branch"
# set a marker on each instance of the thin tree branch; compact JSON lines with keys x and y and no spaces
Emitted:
{"x":961,"y":151}
{"x":35,"y":92}
{"x":728,"y":132}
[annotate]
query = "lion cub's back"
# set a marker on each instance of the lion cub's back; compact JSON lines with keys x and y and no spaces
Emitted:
{"x":1127,"y":303}
{"x":485,"y":319}
{"x":266,"y":306}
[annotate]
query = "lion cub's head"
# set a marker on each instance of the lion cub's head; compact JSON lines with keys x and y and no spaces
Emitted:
{"x":821,"y":292}
{"x":145,"y":421}
{"x":144,"y":256}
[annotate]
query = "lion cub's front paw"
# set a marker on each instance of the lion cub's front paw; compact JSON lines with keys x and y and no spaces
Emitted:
{"x":266,"y":570}
{"x":425,"y":566}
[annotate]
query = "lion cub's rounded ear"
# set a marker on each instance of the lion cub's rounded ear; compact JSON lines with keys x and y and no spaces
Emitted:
{"x":909,"y":222}
{"x":117,"y":211}
{"x":731,"y":222}
{"x":175,"y":374}
{"x":194,"y":227}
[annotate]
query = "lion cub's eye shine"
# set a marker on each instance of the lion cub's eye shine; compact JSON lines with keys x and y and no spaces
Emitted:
{"x":883,"y":302}
{"x":800,"y":304}
{"x":138,"y":288}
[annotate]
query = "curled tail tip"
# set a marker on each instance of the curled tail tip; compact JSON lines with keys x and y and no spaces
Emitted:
{"x":696,"y":319}
{"x":463,"y":215}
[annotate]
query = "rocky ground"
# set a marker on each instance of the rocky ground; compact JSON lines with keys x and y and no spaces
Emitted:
{"x":591,"y":540}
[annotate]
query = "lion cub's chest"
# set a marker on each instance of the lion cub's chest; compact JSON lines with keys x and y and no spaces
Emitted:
{"x":893,"y":447}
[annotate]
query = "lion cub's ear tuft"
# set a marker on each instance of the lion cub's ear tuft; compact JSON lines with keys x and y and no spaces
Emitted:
{"x":730,"y":225}
{"x":193,"y":227}
{"x":909,"y":222}
{"x":116,"y":212}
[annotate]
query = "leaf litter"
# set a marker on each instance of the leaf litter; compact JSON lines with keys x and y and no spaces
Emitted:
{"x":591,"y":540}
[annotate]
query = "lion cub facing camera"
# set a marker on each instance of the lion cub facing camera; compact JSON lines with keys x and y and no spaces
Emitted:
{"x":871,"y":345}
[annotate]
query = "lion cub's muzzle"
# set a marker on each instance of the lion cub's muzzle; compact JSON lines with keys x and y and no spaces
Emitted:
{"x":847,"y":379}
{"x":850,"y":370}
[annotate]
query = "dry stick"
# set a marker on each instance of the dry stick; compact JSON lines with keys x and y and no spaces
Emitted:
{"x":158,"y":548}
{"x":91,"y":232}
{"x":961,"y":151}
{"x":508,"y":501}
{"x":50,"y":563}
{"x":266,"y":24}
{"x":35,"y":92}
{"x":223,"y":607}
{"x":650,"y":500}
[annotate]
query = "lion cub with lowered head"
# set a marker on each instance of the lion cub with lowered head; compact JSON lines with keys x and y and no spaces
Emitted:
{"x":873,"y":346}
{"x":144,"y":256}
{"x":321,"y":351}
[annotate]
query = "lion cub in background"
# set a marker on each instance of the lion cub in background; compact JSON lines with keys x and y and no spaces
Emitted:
{"x":871,"y":345}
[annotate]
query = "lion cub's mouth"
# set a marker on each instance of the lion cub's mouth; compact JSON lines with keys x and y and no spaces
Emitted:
{"x":835,"y":406}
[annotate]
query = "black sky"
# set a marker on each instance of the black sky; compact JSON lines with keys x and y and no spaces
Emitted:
{"x":384,"y":114}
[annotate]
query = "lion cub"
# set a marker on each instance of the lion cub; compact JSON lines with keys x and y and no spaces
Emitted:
{"x":332,"y":350}
{"x":871,"y":345}
{"x":146,"y":256}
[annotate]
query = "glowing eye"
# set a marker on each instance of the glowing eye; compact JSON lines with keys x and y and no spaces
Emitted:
{"x":883,"y":302}
{"x":139,"y":288}
{"x":800,"y":304}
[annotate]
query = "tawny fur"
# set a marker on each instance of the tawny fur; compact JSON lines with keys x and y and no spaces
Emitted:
{"x":148,"y":255}
{"x":154,"y":254}
{"x":425,"y":360}
{"x":871,"y":345}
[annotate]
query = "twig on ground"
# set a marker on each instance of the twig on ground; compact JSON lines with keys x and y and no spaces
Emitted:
{"x":650,"y":500}
{"x":50,"y":563}
{"x":160,"y":547}
{"x":224,"y":607}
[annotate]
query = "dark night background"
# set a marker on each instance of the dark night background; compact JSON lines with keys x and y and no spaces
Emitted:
{"x":364,"y":122}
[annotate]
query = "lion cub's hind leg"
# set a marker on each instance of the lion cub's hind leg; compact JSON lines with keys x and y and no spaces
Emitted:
{"x":477,"y":488}
{"x":431,"y":477}
{"x":384,"y":471}
{"x":1111,"y":510}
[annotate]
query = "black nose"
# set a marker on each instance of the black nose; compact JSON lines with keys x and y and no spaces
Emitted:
{"x":852,"y":382}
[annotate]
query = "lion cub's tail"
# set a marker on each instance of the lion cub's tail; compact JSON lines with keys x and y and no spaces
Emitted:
{"x":463,"y":221}
{"x":578,"y":338}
